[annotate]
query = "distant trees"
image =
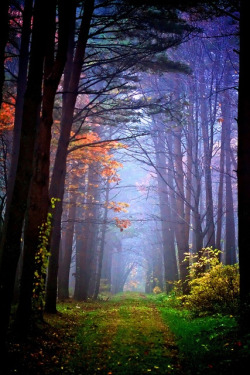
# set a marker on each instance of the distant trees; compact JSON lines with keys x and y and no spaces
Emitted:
{"x":193,"y":133}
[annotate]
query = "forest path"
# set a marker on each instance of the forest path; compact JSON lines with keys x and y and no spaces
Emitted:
{"x":129,"y":335}
{"x":126,"y":336}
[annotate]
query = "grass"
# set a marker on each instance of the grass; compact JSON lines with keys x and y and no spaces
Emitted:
{"x":127,"y":336}
{"x":207,"y":345}
{"x":131,"y":334}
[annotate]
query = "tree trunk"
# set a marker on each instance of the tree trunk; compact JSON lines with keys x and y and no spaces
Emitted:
{"x":38,"y":197}
{"x":63,"y":282}
{"x":59,"y":170}
{"x":220,"y":190}
{"x":210,"y":230}
{"x":102,"y":242}
{"x":230,"y":249}
{"x":10,"y":246}
{"x":181,"y":231}
{"x":4,"y":23}
{"x":244,"y":167}
{"x":86,"y":251}
{"x":21,"y":87}
{"x":170,"y":261}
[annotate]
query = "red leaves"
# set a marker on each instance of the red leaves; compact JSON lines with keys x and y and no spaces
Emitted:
{"x":6,"y":117}
{"x":122,"y":223}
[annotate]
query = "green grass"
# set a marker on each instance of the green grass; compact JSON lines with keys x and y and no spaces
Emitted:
{"x":132,"y":334}
{"x":127,"y":336}
{"x":207,"y":345}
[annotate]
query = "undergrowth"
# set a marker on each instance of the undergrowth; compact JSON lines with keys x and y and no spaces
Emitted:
{"x":209,"y":344}
{"x":132,"y":334}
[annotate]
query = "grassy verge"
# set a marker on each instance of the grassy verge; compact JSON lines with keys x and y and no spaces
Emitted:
{"x":131,"y":334}
{"x":207,"y":345}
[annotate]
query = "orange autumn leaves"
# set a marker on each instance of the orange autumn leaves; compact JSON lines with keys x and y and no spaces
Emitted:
{"x":120,"y":207}
{"x":88,"y":149}
{"x":6,"y":117}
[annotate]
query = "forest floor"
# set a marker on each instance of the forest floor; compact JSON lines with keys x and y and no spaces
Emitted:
{"x":131,"y":334}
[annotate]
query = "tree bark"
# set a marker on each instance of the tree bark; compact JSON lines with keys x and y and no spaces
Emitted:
{"x":230,"y":249}
{"x":63,"y":282}
{"x":10,"y":246}
{"x":244,"y":167}
{"x":102,"y":243}
{"x":220,"y":190}
{"x":4,"y":24}
{"x":38,"y":197}
{"x":181,"y":231}
{"x":207,"y":145}
{"x":21,"y":87}
{"x":59,"y":170}
{"x":170,"y":261}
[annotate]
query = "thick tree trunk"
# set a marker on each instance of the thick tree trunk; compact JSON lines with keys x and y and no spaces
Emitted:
{"x":59,"y":170}
{"x":10,"y":246}
{"x":244,"y":167}
{"x":4,"y":24}
{"x":21,"y":87}
{"x":38,"y":197}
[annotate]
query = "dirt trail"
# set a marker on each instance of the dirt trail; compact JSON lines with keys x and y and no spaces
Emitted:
{"x":123,"y":336}
{"x":127,"y":337}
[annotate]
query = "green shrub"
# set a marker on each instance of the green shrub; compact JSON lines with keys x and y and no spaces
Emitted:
{"x":217,"y":290}
{"x":214,"y":287}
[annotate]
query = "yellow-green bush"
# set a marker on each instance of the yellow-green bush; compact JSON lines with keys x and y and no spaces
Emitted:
{"x":215,"y":288}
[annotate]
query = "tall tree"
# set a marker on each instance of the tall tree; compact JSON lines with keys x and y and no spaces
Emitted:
{"x":244,"y":166}
{"x":63,"y":282}
{"x":10,"y":245}
{"x":230,"y":246}
{"x":21,"y":88}
{"x":38,"y":195}
{"x":170,"y":261}
{"x":59,"y":170}
{"x":4,"y":22}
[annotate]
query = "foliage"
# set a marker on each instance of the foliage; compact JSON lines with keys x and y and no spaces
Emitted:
{"x":202,"y":261}
{"x":214,"y":287}
{"x":157,"y":290}
{"x":7,"y":117}
{"x":41,"y":262}
{"x":216,"y":291}
{"x":122,"y":223}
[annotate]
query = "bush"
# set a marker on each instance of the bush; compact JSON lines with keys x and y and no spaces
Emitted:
{"x":216,"y":290}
